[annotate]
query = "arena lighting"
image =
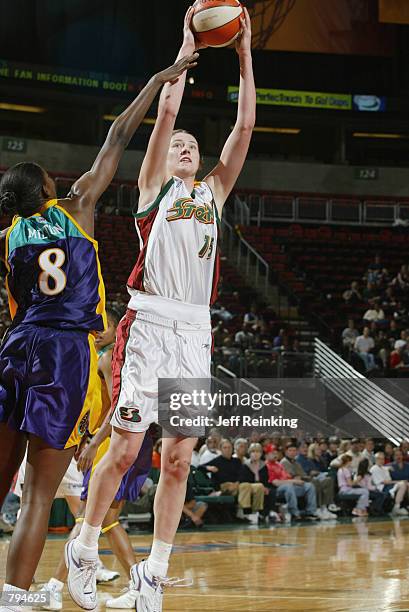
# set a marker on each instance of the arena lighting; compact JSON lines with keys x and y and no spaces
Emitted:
{"x":379,"y":135}
{"x":147,"y":120}
{"x":273,"y":130}
{"x":22,"y":108}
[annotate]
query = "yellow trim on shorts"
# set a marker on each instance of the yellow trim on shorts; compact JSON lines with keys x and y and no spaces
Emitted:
{"x":93,"y":399}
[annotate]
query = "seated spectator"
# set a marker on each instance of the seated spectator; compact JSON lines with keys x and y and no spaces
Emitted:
{"x":324,"y":485}
{"x":404,"y":446}
{"x":382,"y":347}
{"x":363,"y":479}
{"x":209,"y":451}
{"x":371,"y":292}
{"x":156,"y":452}
{"x":244,"y":338}
{"x":368,"y":452}
{"x":399,"y":468}
{"x":355,"y":454}
{"x":393,"y":332}
{"x":219,"y":333}
{"x":364,"y":345}
{"x":381,"y":477}
{"x":290,"y":488}
{"x":315,"y":456}
{"x":260,"y":495}
{"x":194,"y":462}
{"x":240,"y":449}
{"x":401,"y":281}
{"x":302,"y":458}
{"x":398,"y":357}
{"x":226,"y":472}
{"x":388,"y":451}
{"x":374,"y":314}
{"x":349,"y":335}
{"x":347,"y":487}
{"x":388,"y":300}
{"x":374,"y":270}
{"x":323,"y":445}
{"x":332,"y":452}
{"x":193,"y":510}
{"x":281,"y":340}
{"x":401,"y":314}
{"x":220,"y":312}
{"x":253,"y":318}
{"x":352,"y":295}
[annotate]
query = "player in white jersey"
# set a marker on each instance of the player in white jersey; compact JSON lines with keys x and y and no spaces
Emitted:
{"x":166,"y":332}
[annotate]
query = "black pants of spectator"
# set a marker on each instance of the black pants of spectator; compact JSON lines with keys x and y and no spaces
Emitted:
{"x":269,"y":500}
{"x":378,"y":499}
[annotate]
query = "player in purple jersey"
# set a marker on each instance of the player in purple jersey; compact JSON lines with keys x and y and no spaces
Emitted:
{"x":47,"y":358}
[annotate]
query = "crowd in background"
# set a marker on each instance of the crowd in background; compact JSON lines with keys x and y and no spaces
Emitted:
{"x":380,"y":339}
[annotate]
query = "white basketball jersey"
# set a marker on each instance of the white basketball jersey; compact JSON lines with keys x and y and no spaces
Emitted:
{"x":178,"y":240}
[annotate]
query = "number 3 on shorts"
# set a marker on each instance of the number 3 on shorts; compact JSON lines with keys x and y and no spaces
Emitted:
{"x":50,"y":262}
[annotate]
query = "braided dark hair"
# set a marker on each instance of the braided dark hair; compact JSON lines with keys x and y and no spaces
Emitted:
{"x":21,"y":189}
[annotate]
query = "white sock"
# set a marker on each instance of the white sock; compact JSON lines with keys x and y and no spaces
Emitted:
{"x":158,"y":560}
{"x":89,"y":535}
{"x":10,"y":587}
{"x":57,"y":583}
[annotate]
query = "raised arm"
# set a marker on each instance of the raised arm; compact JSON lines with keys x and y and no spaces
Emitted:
{"x":222,"y":178}
{"x":153,"y":171}
{"x":87,"y":190}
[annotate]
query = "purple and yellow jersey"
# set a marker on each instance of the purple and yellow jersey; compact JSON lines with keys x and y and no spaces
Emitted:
{"x":54,"y":275}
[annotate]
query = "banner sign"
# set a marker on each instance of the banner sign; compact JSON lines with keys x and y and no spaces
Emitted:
{"x":67,"y":77}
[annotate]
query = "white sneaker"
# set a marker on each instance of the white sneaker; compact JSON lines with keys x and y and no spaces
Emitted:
{"x":320,"y":514}
{"x":334,"y":508}
{"x":397,"y":511}
{"x":81,"y":580}
{"x":55,"y":596}
{"x":104,"y":574}
{"x":126,"y":601}
{"x":150,"y":588}
{"x":327,"y":515}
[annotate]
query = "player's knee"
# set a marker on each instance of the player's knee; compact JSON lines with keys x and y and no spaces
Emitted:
{"x":123,"y":460}
{"x":176,"y":467}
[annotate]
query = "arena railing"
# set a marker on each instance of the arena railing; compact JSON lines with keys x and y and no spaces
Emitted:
{"x":258,"y":208}
{"x":372,"y":403}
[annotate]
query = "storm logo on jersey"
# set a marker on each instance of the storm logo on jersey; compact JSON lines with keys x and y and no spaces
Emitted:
{"x":130,"y":414}
{"x":185,"y":208}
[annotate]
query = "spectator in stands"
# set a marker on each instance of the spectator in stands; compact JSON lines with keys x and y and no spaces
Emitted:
{"x":219,"y":333}
{"x":363,"y":479}
{"x":252,"y":317}
{"x":401,"y":281}
{"x":368,"y":452}
{"x":260,"y":495}
{"x":399,"y":468}
{"x":405,"y":449}
{"x":220,"y":312}
{"x":382,"y":348}
{"x":157,"y":449}
{"x":193,"y":510}
{"x":364,"y":345}
{"x":347,"y":487}
{"x":290,"y":488}
{"x":332,"y":452}
{"x":230,"y":354}
{"x":401,"y":314}
{"x":374,"y":271}
{"x":343,"y":448}
{"x":396,"y":359}
{"x":281,"y":340}
{"x":226,"y":473}
{"x":355,"y":454}
{"x":388,"y":299}
{"x":209,"y":451}
{"x":374,"y":314}
{"x":349,"y":335}
{"x":388,"y":451}
{"x":244,"y":338}
{"x":393,"y":332}
{"x":315,"y":456}
{"x":323,"y":445}
{"x":195,"y":454}
{"x":381,"y":477}
{"x":371,"y":292}
{"x":240,"y":449}
{"x":352,"y":295}
{"x":324,"y":485}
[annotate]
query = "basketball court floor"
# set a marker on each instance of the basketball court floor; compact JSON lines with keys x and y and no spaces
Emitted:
{"x":354,"y":566}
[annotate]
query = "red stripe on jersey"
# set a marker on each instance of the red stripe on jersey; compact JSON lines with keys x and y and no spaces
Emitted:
{"x":216,"y":277}
{"x":119,"y":354}
{"x":135,"y":280}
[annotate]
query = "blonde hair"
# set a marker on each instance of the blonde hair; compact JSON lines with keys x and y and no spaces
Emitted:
{"x":255,"y":446}
{"x":311,"y":450}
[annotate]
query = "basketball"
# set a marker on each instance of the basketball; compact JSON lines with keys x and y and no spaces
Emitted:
{"x":216,"y":23}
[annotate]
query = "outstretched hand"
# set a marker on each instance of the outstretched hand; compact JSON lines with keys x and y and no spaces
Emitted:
{"x":243,"y":41}
{"x":188,"y":36}
{"x":171,"y":74}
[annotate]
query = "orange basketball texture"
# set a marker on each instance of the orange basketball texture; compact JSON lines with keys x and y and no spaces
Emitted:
{"x":216,"y":23}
